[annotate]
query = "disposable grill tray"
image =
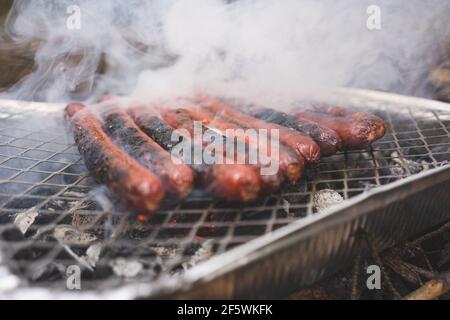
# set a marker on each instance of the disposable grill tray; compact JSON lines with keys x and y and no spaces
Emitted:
{"x":202,"y":247}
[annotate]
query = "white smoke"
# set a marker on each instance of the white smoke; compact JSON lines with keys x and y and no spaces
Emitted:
{"x":270,"y":49}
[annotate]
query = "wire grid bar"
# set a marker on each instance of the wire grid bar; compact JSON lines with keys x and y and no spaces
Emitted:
{"x":41,"y":172}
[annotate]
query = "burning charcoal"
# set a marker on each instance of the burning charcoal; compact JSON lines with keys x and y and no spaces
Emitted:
{"x":25,"y":219}
{"x":326,"y":198}
{"x":361,"y":165}
{"x":70,"y":235}
{"x":205,"y":251}
{"x":126,"y":268}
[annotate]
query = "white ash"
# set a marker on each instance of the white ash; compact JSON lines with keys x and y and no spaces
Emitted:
{"x":11,"y":288}
{"x":92,"y":255}
{"x":403,"y":166}
{"x":444,"y":163}
{"x":369,"y":186}
{"x":326,"y":198}
{"x":287,"y":209}
{"x":70,"y":235}
{"x":74,"y":194}
{"x":166,"y":251}
{"x":203,"y":253}
{"x":8,"y":281}
{"x":25,"y":219}
{"x":398,"y":170}
{"x":126,"y":268}
{"x":89,"y":259}
{"x":59,"y":204}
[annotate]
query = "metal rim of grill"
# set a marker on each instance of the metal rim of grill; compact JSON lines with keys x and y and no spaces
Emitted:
{"x":41,"y":170}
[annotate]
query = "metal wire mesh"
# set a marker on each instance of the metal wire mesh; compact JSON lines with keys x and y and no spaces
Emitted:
{"x":69,"y":220}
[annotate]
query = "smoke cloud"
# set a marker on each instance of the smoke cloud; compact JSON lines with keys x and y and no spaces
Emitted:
{"x":271,"y":50}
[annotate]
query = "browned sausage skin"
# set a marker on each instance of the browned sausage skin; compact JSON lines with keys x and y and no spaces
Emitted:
{"x":139,"y":188}
{"x":357,"y":130}
{"x":291,"y":166}
{"x":231,"y":182}
{"x":181,"y":119}
{"x":178,"y":179}
{"x":328,"y":140}
{"x":301,"y":144}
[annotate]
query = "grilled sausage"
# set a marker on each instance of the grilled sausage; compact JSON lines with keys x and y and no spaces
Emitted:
{"x":231,"y":182}
{"x":178,"y":179}
{"x":139,"y":188}
{"x":291,"y":166}
{"x":181,"y":119}
{"x":362,"y":123}
{"x":303,"y":145}
{"x":155,"y":127}
{"x":328,"y":140}
{"x":357,"y":130}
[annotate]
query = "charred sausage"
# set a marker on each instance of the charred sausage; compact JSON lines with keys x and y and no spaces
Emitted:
{"x":328,"y":140}
{"x":139,"y":188}
{"x":236,"y":183}
{"x":178,"y":179}
{"x":181,"y":119}
{"x":291,"y":165}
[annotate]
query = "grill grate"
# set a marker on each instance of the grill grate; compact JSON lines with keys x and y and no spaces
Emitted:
{"x":42,"y":178}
